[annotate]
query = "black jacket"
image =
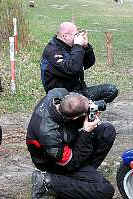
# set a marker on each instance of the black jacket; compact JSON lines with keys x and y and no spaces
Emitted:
{"x":47,"y":136}
{"x":63,"y":66}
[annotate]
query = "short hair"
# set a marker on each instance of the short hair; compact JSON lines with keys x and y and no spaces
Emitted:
{"x":73,"y":105}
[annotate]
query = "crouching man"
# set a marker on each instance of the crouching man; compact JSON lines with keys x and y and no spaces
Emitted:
{"x":67,"y":149}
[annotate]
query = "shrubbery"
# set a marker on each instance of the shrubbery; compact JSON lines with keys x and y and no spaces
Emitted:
{"x":8,"y":10}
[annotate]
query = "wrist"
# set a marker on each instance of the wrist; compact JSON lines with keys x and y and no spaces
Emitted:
{"x":86,"y":133}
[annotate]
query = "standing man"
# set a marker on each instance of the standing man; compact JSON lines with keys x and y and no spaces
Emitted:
{"x":64,"y":60}
{"x":67,"y":148}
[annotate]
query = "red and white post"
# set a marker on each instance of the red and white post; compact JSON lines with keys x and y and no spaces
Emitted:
{"x":15,"y":34}
{"x":12,"y":61}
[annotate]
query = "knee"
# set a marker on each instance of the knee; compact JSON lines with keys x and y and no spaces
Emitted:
{"x":113,"y":92}
{"x":107,"y":132}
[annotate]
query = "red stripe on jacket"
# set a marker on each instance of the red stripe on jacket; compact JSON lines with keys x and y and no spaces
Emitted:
{"x":35,"y":142}
{"x":66,"y":157}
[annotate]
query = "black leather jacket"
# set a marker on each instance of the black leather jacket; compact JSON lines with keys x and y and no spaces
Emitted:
{"x":63,"y":66}
{"x":47,"y":135}
{"x":45,"y":129}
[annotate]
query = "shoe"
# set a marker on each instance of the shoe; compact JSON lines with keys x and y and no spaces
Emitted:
{"x":41,"y":187}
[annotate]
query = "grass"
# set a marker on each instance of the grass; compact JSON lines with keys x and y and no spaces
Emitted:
{"x":96,"y":16}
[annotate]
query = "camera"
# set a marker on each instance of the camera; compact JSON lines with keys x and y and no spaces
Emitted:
{"x":80,"y":32}
{"x":94,"y":108}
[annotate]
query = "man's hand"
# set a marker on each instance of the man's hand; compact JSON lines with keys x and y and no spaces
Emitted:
{"x":79,"y":39}
{"x":90,"y":126}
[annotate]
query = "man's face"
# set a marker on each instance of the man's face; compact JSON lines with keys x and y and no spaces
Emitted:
{"x":75,"y":123}
{"x":69,"y":36}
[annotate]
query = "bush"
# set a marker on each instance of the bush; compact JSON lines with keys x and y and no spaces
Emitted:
{"x":8,"y":10}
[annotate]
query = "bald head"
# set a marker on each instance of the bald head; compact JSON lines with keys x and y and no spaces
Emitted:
{"x":66,"y":27}
{"x":66,"y":32}
{"x":74,"y":105}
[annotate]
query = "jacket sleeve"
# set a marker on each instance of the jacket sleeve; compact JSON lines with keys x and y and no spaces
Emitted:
{"x":68,"y":63}
{"x":89,"y":57}
{"x":50,"y":138}
{"x":81,"y":152}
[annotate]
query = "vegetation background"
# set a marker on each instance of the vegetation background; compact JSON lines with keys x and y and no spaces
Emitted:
{"x":37,"y":25}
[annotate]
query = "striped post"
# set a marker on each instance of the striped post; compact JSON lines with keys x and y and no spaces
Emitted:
{"x":15,"y":34}
{"x":12,"y":61}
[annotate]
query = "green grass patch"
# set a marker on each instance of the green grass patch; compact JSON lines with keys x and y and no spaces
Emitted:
{"x":97,"y":17}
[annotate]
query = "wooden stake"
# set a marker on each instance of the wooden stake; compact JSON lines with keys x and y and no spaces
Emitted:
{"x":73,"y":19}
{"x":110,"y":59}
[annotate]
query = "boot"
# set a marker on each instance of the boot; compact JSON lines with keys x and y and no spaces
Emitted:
{"x":41,"y":185}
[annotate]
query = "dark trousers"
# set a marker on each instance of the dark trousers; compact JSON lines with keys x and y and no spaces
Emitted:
{"x":87,"y":182}
{"x":106,"y":92}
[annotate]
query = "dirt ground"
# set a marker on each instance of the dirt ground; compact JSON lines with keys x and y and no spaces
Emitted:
{"x":15,"y":163}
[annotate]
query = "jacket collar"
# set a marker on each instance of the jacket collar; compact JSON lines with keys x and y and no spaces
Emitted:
{"x":61,"y":43}
{"x":55,"y":115}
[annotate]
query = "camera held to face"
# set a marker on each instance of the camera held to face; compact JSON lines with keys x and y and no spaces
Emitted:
{"x":95,"y":108}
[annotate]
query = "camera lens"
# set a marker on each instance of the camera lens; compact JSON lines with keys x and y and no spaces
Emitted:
{"x":101,"y":105}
